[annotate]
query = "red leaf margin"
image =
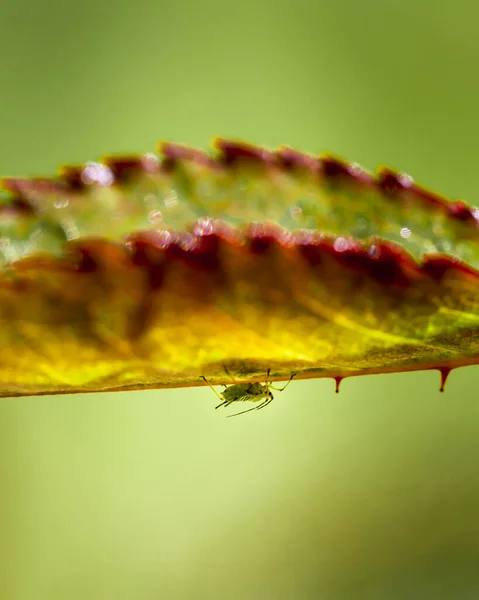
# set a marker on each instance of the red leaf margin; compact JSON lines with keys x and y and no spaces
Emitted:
{"x":210,"y":262}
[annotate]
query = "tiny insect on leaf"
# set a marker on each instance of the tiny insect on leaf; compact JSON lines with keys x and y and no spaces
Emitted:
{"x":248,"y":392}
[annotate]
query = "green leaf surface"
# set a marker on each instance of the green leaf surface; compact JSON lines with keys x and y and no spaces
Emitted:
{"x":151,"y":271}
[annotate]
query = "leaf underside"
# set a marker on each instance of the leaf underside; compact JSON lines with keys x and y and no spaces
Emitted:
{"x":151,"y":271}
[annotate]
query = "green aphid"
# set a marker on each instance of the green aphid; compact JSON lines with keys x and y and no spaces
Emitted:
{"x":248,"y":392}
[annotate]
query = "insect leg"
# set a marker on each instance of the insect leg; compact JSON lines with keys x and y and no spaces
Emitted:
{"x":219,"y":395}
{"x":284,"y":386}
{"x":227,"y":402}
{"x":229,"y":374}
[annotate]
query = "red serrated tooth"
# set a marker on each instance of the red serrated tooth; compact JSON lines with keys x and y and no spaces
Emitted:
{"x":174,"y":153}
{"x":338,"y":383}
{"x":438,"y":266}
{"x":124,"y":168}
{"x":290,"y":159}
{"x":390,"y":181}
{"x":445,"y":371}
{"x":461,"y":211}
{"x":333,"y":167}
{"x":27,"y":188}
{"x":146,"y":255}
{"x":19,"y":206}
{"x":85,"y":260}
{"x":72,"y":176}
{"x":232,"y":153}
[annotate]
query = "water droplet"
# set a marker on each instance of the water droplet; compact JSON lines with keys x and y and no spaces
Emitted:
{"x":155,"y":216}
{"x":361,"y":228}
{"x":188,"y":241}
{"x":204,"y":226}
{"x":446,"y":246}
{"x":438,"y":228}
{"x":171,"y":199}
{"x":70,"y":229}
{"x":429,"y":247}
{"x":150,"y":162}
{"x":61,"y":203}
{"x":306,"y":237}
{"x":97,"y":174}
{"x":341,"y":244}
{"x":8,"y":250}
{"x":405,"y":232}
{"x":405,"y":180}
{"x":164,"y":238}
{"x":296,"y":212}
{"x":150,"y":200}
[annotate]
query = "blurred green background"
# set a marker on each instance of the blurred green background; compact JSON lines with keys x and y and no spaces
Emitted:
{"x":370,"y":495}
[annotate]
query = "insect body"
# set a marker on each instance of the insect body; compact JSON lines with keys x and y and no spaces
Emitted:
{"x":252,"y":392}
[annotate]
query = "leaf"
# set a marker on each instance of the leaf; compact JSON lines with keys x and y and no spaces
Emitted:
{"x":151,"y":271}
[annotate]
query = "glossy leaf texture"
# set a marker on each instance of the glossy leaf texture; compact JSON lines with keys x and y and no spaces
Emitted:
{"x":151,"y":271}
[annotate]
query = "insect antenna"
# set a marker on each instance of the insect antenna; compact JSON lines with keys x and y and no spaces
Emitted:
{"x":263,"y":404}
